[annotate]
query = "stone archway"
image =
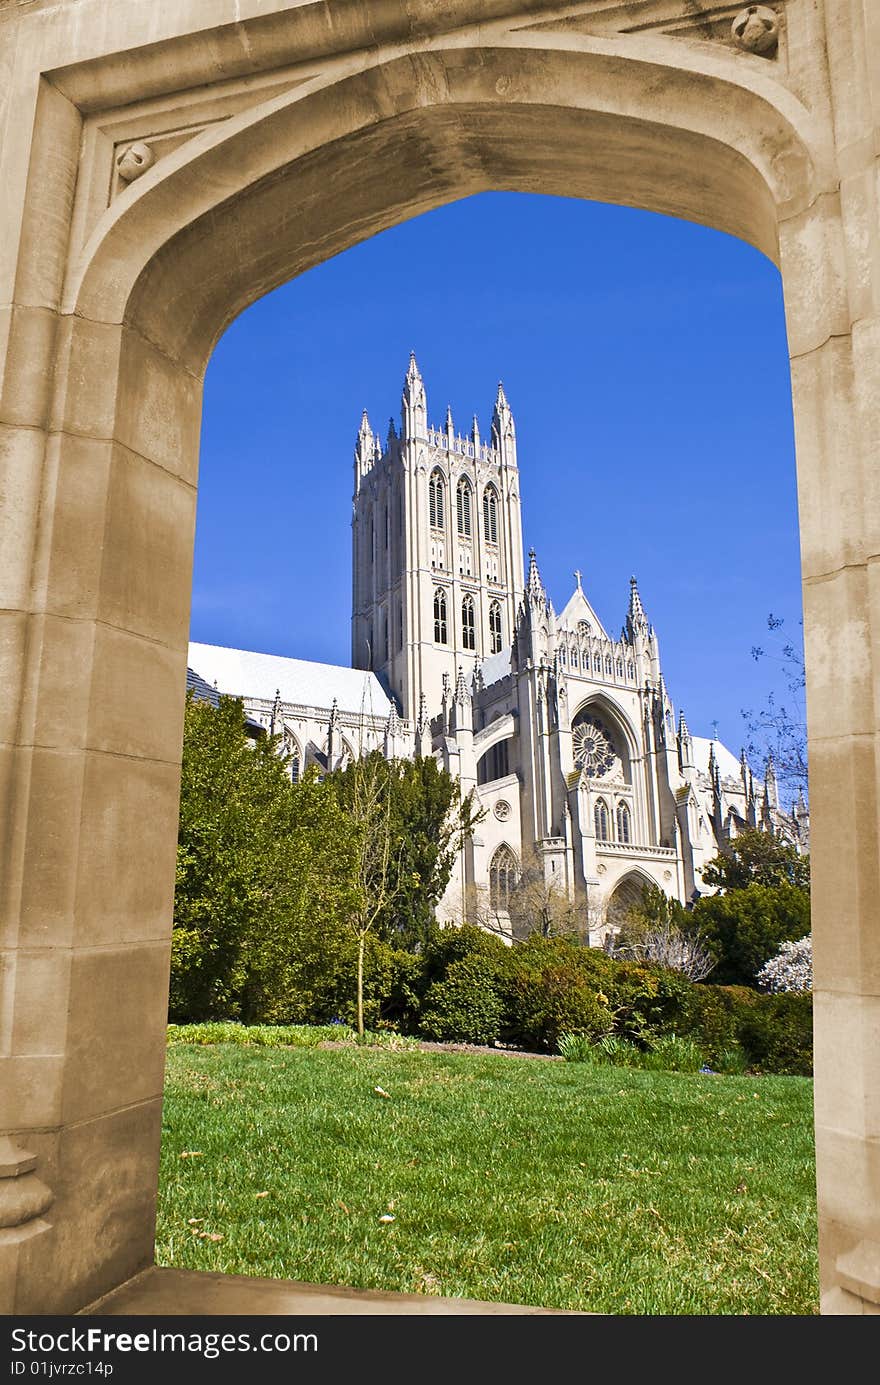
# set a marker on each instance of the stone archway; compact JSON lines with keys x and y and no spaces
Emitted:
{"x":626,"y":895}
{"x":162,"y":171}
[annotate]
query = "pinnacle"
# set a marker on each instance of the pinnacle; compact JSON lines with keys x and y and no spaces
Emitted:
{"x":534,"y":583}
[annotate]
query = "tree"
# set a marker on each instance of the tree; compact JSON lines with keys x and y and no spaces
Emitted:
{"x":780,"y":727}
{"x":367,"y":808}
{"x":757,"y":858}
{"x":540,"y":905}
{"x":744,"y":928}
{"x":428,"y":821}
{"x":661,"y":931}
{"x":263,"y":878}
{"x":790,"y":970}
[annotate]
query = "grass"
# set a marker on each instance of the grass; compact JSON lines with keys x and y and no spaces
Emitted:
{"x":565,"y":1185}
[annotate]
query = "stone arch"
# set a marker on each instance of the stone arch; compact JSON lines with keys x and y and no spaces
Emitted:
{"x":339,"y":132}
{"x":626,"y":894}
{"x":606,"y":711}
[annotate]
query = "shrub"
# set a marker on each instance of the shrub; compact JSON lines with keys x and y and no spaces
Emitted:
{"x":791,"y":969}
{"x":732,"y":1061}
{"x":578,"y":1048}
{"x":465,"y":1007}
{"x":543,"y":1005}
{"x":776,"y":1033}
{"x":620,"y":1053}
{"x":671,"y":1053}
{"x":744,"y":929}
{"x":279,"y":1035}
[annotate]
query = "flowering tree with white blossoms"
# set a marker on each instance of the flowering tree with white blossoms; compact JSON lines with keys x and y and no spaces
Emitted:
{"x":791,"y":969}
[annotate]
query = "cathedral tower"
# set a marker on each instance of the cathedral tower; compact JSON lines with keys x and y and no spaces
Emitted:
{"x":437,"y":557}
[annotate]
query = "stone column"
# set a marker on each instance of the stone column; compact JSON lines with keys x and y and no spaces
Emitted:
{"x":830,"y":257}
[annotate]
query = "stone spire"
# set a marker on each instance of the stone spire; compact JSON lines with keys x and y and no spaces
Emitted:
{"x":534,"y":585}
{"x":414,"y":410}
{"x":392,"y":731}
{"x":685,"y":744}
{"x":636,"y":620}
{"x":503,"y":429}
{"x":333,"y":736}
{"x":475,"y":436}
{"x":771,"y":786}
{"x":276,"y":713}
{"x":364,"y":449}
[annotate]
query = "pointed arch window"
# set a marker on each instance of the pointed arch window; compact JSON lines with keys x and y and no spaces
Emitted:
{"x":290,"y":748}
{"x":601,"y":817}
{"x":436,"y":500}
{"x":609,"y":667}
{"x":620,"y":668}
{"x":463,"y":508}
{"x":495,"y":627}
{"x":490,"y":515}
{"x":624,"y":833}
{"x":439,"y":616}
{"x":502,"y":878}
{"x":468,"y":627}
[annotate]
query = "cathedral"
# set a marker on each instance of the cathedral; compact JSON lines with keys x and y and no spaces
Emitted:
{"x":566,"y":733}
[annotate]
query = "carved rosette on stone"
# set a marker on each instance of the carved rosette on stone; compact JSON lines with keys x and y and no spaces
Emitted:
{"x":23,"y":1199}
{"x":756,"y":29}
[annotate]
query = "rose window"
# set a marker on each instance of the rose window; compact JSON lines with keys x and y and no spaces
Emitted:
{"x":593,"y":751}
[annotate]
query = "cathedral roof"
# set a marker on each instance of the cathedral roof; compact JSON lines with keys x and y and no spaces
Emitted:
{"x":727,"y":762}
{"x":579,"y":609}
{"x":495,"y":667}
{"x":240,"y":673}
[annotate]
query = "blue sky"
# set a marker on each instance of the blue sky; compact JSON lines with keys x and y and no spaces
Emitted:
{"x":646,"y":364}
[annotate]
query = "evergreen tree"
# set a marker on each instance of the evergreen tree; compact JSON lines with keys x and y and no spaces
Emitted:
{"x":264,"y":879}
{"x":757,"y":858}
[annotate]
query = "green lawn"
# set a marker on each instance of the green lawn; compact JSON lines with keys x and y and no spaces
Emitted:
{"x":514,"y":1179}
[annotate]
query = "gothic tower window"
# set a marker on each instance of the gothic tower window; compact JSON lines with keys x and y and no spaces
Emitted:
{"x":468,"y":632}
{"x":623,"y":824}
{"x":400,"y":625}
{"x":502,"y":878}
{"x":620,"y":668}
{"x":439,"y":616}
{"x":463,"y":508}
{"x":601,"y":816}
{"x":436,"y":490}
{"x":608,"y":665}
{"x":490,"y":515}
{"x":495,"y":627}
